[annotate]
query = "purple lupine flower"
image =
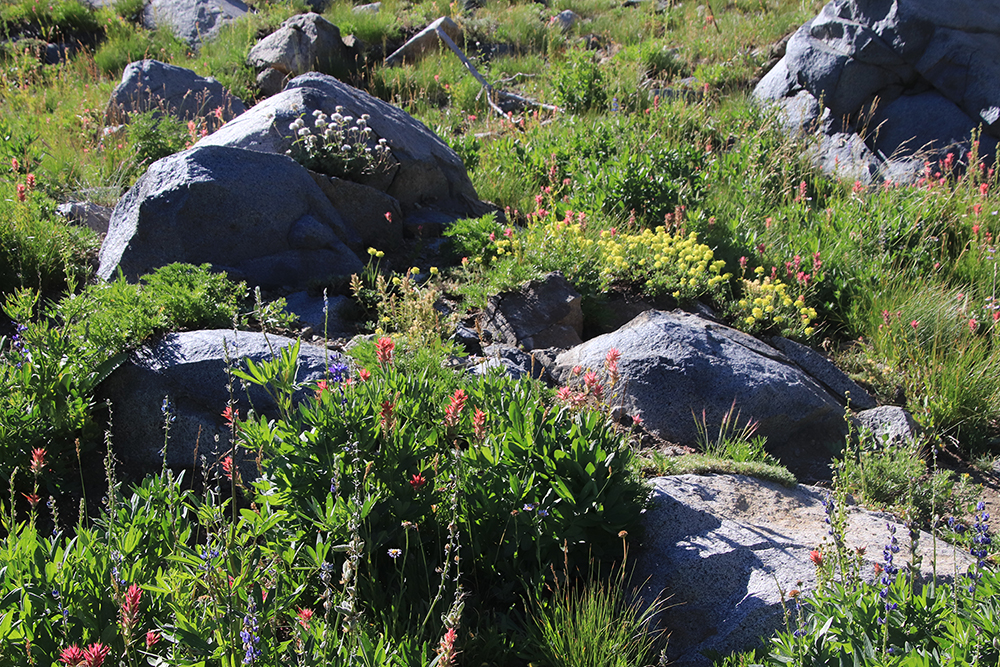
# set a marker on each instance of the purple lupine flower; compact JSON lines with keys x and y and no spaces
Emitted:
{"x":339,"y":371}
{"x":249,"y":635}
{"x":889,"y":571}
{"x":980,"y":543}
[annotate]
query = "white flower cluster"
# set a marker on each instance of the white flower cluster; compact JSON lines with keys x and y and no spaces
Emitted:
{"x":339,"y":145}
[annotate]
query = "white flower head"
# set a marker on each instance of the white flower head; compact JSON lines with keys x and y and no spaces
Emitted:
{"x":346,"y":148}
{"x":339,"y":109}
{"x":348,"y":119}
{"x":365,"y":117}
{"x":317,"y":113}
{"x":296,"y":125}
{"x":320,"y":123}
{"x":304,"y":132}
{"x":337,"y":118}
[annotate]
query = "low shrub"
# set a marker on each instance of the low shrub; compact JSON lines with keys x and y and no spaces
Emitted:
{"x":492,"y":474}
{"x":37,"y":249}
{"x":579,"y":83}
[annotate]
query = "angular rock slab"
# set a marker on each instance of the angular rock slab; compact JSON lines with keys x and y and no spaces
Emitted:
{"x":675,"y":365}
{"x":191,"y":369}
{"x":303,"y":43}
{"x":150,"y":85}
{"x":429,"y":172}
{"x":259,"y":216}
{"x":889,"y":423}
{"x":917,"y":78}
{"x":722,"y":547}
{"x":194,"y":21}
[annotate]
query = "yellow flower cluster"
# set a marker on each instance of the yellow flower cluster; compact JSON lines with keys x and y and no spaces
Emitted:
{"x":767,"y":303}
{"x":665,"y":262}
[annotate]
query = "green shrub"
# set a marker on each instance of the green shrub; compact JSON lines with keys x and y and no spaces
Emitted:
{"x":896,"y":477}
{"x":155,"y":135}
{"x":59,"y":19}
{"x":130,"y":10}
{"x":579,"y":83}
{"x":37,"y":249}
{"x":491,"y":467}
{"x":110,"y":317}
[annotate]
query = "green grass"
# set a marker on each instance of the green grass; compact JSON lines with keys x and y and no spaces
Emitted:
{"x":623,"y":153}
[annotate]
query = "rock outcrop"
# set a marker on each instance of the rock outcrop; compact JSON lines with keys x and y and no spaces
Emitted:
{"x":890,"y":85}
{"x":428,"y":173}
{"x":543,"y":313}
{"x":150,"y":85}
{"x":303,"y":43}
{"x":194,"y":21}
{"x":724,"y":549}
{"x":677,"y":369}
{"x":259,"y":216}
{"x":190,"y":370}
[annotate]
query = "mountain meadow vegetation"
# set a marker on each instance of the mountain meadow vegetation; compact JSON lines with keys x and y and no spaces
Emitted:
{"x":402,"y":514}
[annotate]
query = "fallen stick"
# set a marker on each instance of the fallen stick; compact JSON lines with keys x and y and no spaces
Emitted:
{"x":490,"y":91}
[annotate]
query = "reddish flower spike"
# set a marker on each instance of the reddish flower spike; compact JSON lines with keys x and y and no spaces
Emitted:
{"x":37,"y":461}
{"x":95,"y":654}
{"x":383,"y":350}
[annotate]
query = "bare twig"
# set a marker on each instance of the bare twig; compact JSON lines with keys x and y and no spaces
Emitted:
{"x":490,"y":91}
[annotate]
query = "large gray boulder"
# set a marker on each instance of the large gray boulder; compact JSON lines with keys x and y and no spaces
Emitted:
{"x":429,"y":173}
{"x":190,"y":369}
{"x":194,"y":21}
{"x":150,"y":85}
{"x":259,"y":216}
{"x":675,"y":367}
{"x":724,"y":548}
{"x":912,"y":79}
{"x":303,"y":43}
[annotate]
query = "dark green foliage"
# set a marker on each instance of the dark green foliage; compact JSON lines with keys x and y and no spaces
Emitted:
{"x":654,"y":184}
{"x":579,"y":83}
{"x":193,"y":297}
{"x":50,"y":20}
{"x":470,"y":237}
{"x":155,"y":135}
{"x":531,"y":489}
{"x":37,"y":249}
